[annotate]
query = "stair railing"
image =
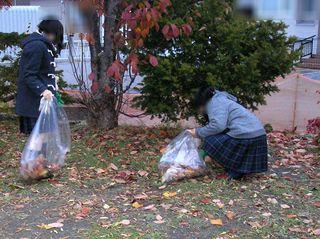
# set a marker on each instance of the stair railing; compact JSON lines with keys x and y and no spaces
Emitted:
{"x":306,"y":46}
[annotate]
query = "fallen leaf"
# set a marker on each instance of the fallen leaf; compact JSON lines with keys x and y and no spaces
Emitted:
{"x":143,"y":173}
{"x":206,"y":201}
{"x":254,"y":224}
{"x":285,"y":206}
{"x":149,"y":207}
{"x":272,"y":200}
{"x":291,"y":216}
{"x":125,"y":222}
{"x":317,"y":204}
{"x":168,"y":195}
{"x":57,"y":224}
{"x":301,"y":151}
{"x":218,"y":203}
{"x":316,"y":232}
{"x":136,"y":205}
{"x":266,"y":214}
{"x":83,"y":213}
{"x":295,"y":229}
{"x":20,"y":206}
{"x":166,"y":206}
{"x":141,"y":197}
{"x":217,"y":222}
{"x":230,"y":215}
{"x":159,"y":219}
{"x":106,"y":206}
{"x":113,"y":167}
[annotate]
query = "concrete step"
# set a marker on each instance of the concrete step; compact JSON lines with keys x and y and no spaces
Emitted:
{"x":311,"y":60}
{"x":309,"y":65}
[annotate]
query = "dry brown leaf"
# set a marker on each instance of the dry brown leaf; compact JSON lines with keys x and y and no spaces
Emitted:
{"x":216,"y":222}
{"x":168,"y":195}
{"x":285,"y":206}
{"x":125,"y":222}
{"x":254,"y":224}
{"x":230,"y":215}
{"x":136,"y":205}
{"x":149,"y":207}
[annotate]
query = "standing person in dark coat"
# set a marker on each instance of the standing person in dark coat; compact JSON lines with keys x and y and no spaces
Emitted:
{"x":234,"y":137}
{"x":37,"y":71}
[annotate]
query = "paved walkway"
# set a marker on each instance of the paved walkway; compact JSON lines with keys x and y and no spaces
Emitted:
{"x":289,"y":109}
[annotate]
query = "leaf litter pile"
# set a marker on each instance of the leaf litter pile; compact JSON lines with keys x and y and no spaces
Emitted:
{"x":110,"y":188}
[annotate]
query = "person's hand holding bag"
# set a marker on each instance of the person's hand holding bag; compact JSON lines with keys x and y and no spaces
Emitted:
{"x":192,"y":132}
{"x":47,"y":94}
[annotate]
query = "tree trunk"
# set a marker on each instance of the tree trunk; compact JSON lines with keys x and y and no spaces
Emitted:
{"x":103,"y":113}
{"x":105,"y":118}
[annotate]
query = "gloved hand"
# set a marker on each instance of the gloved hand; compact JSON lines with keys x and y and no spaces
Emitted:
{"x":47,"y":94}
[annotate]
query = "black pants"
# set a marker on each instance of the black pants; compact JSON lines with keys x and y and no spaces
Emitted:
{"x":27,"y":124}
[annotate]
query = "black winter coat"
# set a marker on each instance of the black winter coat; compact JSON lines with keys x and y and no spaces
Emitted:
{"x":36,"y":74}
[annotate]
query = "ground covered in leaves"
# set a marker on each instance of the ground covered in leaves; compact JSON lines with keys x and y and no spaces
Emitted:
{"x":110,"y":189}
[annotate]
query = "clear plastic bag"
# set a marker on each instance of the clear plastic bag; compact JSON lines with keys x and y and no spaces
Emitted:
{"x":48,"y":144}
{"x":181,"y":159}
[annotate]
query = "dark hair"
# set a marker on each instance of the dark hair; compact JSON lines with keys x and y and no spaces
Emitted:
{"x":53,"y":26}
{"x":203,"y":95}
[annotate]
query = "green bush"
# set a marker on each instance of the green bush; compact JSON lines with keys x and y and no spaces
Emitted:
{"x":9,"y":68}
{"x":227,"y":51}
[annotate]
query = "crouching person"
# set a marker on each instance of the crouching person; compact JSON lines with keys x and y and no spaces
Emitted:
{"x":234,"y":137}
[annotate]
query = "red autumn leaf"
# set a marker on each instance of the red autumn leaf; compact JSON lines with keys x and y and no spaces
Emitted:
{"x":317,"y":204}
{"x":114,"y":70}
{"x":156,"y":25}
{"x":89,"y":38}
{"x":186,"y":29}
{"x":175,"y":30}
{"x":222,"y":176}
{"x":166,"y":31}
{"x":107,"y":89}
{"x":153,"y":60}
{"x":155,"y":14}
{"x":145,"y":32}
{"x":163,"y":4}
{"x":91,"y":76}
{"x":140,"y":42}
{"x":133,"y":60}
{"x":126,"y":16}
{"x":206,"y":201}
{"x":148,"y":17}
{"x":94,"y":87}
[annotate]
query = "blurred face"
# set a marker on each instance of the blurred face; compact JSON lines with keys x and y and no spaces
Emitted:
{"x":201,"y":110}
{"x":51,"y":37}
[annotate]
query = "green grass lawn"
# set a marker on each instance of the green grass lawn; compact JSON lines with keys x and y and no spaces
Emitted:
{"x":110,"y":188}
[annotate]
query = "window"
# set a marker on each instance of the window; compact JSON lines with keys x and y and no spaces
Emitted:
{"x":306,"y":10}
{"x":308,"y":5}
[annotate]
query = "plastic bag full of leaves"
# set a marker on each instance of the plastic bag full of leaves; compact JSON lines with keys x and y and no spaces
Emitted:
{"x":182,"y":159}
{"x":48,"y":144}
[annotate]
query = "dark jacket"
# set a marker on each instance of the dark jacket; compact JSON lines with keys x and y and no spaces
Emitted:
{"x":36,"y":74}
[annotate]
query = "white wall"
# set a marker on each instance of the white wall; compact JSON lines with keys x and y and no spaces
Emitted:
{"x":18,"y":18}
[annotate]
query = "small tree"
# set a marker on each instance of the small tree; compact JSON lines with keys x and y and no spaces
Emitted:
{"x":224,"y":50}
{"x":118,"y":30}
{"x":9,"y":65}
{"x":9,"y":68}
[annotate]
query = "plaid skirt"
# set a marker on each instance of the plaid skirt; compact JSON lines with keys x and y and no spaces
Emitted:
{"x":27,"y":124}
{"x":239,"y":155}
